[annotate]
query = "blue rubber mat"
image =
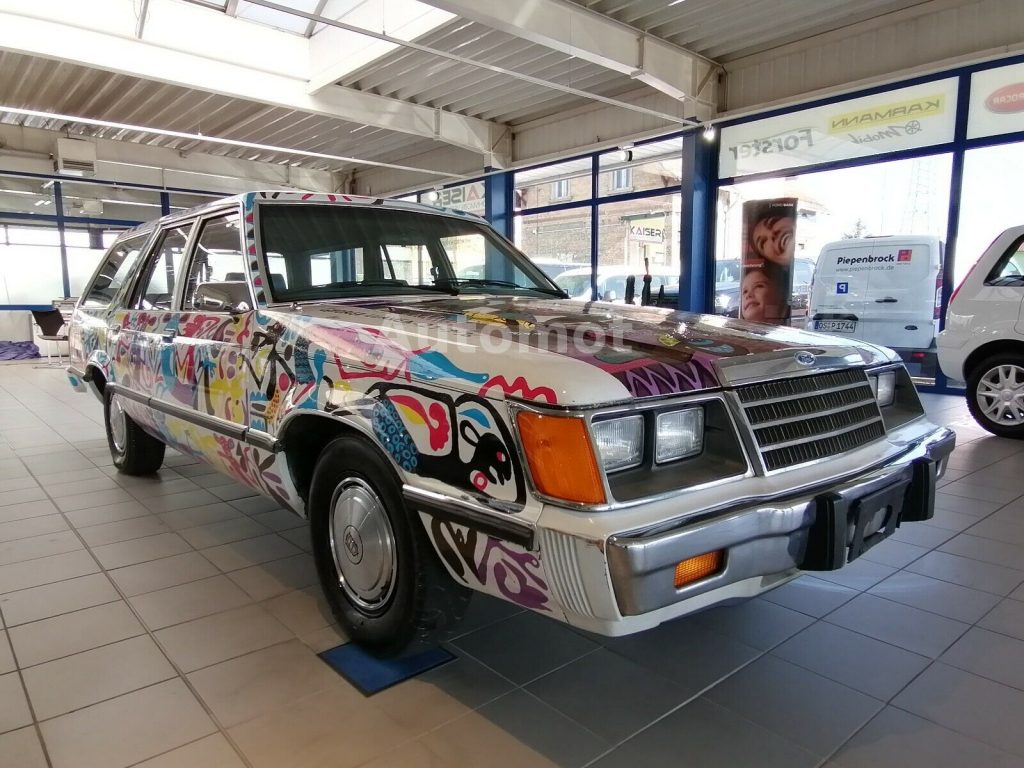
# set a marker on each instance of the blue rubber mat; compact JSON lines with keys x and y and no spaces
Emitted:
{"x":372,"y":675}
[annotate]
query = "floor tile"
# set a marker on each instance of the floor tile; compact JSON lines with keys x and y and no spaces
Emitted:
{"x":38,"y":546}
{"x":214,"y":534}
{"x":160,"y":574}
{"x":941,"y":597}
{"x":48,"y":600}
{"x":946,"y":520}
{"x":200,"y":643}
{"x":255,"y":504}
{"x":972,"y":705}
{"x":977,"y":491}
{"x":72,"y":682}
{"x":860,"y":575}
{"x":756,"y":623}
{"x":122,"y":530}
{"x":185,"y":602}
{"x":608,"y":694}
{"x":978,"y":548}
{"x":809,"y":595}
{"x":540,"y":646}
{"x":207,"y":514}
{"x":14,"y":711}
{"x":232,"y":491}
{"x":11,"y":498}
{"x":989,"y":654}
{"x":6,"y":657}
{"x":63,"y":490}
{"x":140,"y":550}
{"x":1008,"y":529}
{"x":325,"y":638}
{"x":914,"y":630}
{"x":109,"y":513}
{"x":280,"y":520}
{"x":298,"y":537}
{"x":788,"y":700}
{"x":32,"y":526}
{"x":249,"y":552}
{"x":30,"y":509}
{"x":895,"y":553}
{"x":209,"y":752}
{"x":975,"y":508}
{"x":302,"y":611}
{"x":276,"y":577}
{"x":249,"y":686}
{"x":46,"y":570}
{"x":123,"y":731}
{"x":172,"y":501}
{"x":165,"y":487}
{"x":441,"y":695}
{"x":898,"y":739}
{"x":1006,"y":618}
{"x":70,"y":633}
{"x":93,"y":499}
{"x":878,"y":669}
{"x":324,"y":729}
{"x":968,"y":572}
{"x":704,"y":734}
{"x":21,"y":749}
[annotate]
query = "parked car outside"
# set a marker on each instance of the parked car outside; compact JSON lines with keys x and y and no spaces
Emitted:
{"x":983,"y":341}
{"x":611,"y":282}
{"x":605,"y":465}
{"x":549,"y":268}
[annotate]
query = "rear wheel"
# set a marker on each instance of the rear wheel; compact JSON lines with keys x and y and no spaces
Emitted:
{"x":134,"y":451}
{"x":995,"y":395}
{"x":378,"y":570}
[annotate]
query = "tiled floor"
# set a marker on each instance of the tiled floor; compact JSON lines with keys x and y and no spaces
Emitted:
{"x":175,"y":622}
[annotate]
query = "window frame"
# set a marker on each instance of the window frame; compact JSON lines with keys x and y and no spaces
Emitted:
{"x":153,"y":249}
{"x":198,"y":225}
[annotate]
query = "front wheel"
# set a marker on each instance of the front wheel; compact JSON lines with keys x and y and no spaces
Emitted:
{"x":135,"y":452}
{"x":378,"y":571}
{"x":995,"y":395}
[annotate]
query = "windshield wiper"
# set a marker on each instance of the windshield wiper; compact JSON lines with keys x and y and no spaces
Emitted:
{"x":508,"y":284}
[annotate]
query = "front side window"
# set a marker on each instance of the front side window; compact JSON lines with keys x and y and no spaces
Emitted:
{"x":115,"y":271}
{"x":165,"y":262}
{"x":317,"y":252}
{"x":218,"y":257}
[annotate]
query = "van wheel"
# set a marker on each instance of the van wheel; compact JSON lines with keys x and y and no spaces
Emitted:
{"x":378,"y":570}
{"x":995,"y":395}
{"x":135,"y":452}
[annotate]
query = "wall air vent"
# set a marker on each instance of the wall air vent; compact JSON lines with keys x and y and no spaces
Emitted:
{"x":75,"y":158}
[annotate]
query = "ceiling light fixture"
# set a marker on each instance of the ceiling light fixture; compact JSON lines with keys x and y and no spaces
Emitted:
{"x":218,"y":140}
{"x":709,"y":132}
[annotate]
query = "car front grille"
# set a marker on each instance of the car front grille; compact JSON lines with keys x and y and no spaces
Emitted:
{"x":795,"y":421}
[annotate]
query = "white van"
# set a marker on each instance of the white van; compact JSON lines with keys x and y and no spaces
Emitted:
{"x":885,"y":290}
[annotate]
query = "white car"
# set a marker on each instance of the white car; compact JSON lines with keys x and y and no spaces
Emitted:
{"x":611,"y":282}
{"x":983,"y":343}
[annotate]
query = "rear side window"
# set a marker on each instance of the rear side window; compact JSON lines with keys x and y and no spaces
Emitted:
{"x":1009,"y":270}
{"x":165,"y":265}
{"x":116,"y":269}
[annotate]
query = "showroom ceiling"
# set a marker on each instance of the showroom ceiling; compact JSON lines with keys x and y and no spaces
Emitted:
{"x":533,"y":80}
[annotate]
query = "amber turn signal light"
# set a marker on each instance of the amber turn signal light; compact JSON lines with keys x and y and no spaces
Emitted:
{"x":561,"y":459}
{"x":699,"y":567}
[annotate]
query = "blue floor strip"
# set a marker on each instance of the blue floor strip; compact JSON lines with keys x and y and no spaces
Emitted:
{"x":371,"y":675}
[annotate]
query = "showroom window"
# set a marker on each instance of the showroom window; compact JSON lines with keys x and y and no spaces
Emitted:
{"x":636,"y":238}
{"x":30,"y":263}
{"x":468,"y":198}
{"x":564,"y":182}
{"x":559,"y":243}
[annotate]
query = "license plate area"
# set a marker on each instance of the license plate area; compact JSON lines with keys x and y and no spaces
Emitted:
{"x":845,"y":528}
{"x":836,"y":326}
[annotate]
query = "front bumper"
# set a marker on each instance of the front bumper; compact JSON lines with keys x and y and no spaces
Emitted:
{"x":820,"y":529}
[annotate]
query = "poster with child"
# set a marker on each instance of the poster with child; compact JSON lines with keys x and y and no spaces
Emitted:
{"x":769,"y":240}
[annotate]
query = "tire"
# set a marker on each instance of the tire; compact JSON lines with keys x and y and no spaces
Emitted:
{"x":995,"y":395}
{"x":383,"y":580}
{"x":134,"y":451}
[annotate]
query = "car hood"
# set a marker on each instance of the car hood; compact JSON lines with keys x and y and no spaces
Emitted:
{"x":559,"y":351}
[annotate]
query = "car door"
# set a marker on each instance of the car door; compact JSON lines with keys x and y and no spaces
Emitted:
{"x":216,"y":311}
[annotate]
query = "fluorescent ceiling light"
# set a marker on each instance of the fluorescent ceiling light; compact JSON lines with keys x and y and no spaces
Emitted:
{"x":219,"y":140}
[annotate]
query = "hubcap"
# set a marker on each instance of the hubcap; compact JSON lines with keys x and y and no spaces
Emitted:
{"x":363,"y":545}
{"x":118,"y":426}
{"x":1000,"y":395}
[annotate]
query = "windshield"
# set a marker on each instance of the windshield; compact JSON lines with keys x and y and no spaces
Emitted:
{"x":317,"y":252}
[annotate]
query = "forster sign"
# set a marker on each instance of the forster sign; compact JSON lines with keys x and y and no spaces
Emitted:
{"x":906,"y":118}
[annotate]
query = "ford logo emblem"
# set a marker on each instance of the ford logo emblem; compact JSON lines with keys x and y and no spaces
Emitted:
{"x":805,"y":358}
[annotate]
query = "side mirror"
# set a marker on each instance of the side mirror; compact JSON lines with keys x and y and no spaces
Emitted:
{"x":232,"y":297}
{"x":610,"y":295}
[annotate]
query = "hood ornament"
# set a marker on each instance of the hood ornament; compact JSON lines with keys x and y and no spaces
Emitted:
{"x":805,"y":358}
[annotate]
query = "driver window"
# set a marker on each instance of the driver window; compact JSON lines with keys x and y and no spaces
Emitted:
{"x":164,"y":266}
{"x":218,"y":257}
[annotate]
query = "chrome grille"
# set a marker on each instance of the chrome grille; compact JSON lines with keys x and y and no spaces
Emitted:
{"x":812,"y":417}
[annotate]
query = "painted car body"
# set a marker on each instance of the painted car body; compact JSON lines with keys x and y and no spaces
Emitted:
{"x":431,"y":381}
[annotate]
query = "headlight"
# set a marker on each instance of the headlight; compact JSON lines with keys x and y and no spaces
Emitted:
{"x":884,"y":387}
{"x":620,"y":442}
{"x":679,"y":434}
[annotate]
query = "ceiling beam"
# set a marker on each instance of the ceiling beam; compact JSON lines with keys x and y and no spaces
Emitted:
{"x":591,"y":36}
{"x":179,"y":50}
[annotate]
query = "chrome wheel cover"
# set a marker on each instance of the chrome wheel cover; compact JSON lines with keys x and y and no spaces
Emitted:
{"x":118,"y":425}
{"x":362,"y":545}
{"x":1000,"y":395}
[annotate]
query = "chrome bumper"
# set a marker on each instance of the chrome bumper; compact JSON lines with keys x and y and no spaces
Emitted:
{"x":818,"y":530}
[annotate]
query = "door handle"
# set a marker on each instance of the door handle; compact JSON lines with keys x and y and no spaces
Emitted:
{"x":886,"y":300}
{"x":168,"y":336}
